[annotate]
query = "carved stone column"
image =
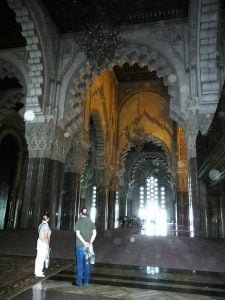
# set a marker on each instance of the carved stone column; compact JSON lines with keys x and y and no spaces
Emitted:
{"x":75,"y":161}
{"x":47,"y":147}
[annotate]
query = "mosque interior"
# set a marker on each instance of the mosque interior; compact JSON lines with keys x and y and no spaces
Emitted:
{"x":117,"y":106}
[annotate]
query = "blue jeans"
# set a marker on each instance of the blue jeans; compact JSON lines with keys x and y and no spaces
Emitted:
{"x":83,"y":267}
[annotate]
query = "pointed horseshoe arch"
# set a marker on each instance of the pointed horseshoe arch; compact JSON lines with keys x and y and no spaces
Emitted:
{"x":132,"y":54}
{"x":123,"y":154}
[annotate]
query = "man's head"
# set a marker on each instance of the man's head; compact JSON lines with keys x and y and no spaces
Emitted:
{"x":84,"y":212}
{"x":45,"y":217}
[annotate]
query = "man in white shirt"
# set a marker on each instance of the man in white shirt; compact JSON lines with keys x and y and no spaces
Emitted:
{"x":42,"y":246}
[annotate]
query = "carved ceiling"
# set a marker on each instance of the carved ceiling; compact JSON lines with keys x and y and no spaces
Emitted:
{"x":73,"y":15}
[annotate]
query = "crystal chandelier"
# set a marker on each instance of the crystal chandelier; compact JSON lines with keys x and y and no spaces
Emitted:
{"x":135,"y":133}
{"x":99,"y":42}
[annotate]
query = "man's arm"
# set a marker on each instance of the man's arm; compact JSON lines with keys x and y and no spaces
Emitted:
{"x":94,"y":233}
{"x":86,"y":244}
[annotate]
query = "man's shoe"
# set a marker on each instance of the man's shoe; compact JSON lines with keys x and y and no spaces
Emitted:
{"x":74,"y":283}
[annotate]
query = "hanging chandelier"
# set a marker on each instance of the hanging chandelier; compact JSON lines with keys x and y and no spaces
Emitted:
{"x":135,"y":133}
{"x":100,"y":41}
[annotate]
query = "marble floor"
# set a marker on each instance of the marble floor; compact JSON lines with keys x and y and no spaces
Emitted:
{"x":126,"y":267}
{"x":122,"y":282}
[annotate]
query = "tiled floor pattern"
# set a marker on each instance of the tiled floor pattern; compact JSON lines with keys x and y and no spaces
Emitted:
{"x":129,"y":282}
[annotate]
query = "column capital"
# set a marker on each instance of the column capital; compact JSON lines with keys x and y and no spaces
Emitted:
{"x":47,"y":140}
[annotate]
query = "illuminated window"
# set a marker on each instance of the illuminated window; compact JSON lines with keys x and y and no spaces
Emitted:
{"x":152,"y":207}
{"x":116,"y":221}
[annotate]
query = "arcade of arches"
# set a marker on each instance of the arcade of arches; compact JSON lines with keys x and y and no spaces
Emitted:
{"x":143,"y":138}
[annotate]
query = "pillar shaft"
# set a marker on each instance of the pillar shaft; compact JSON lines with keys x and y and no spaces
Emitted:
{"x":194,"y":205}
{"x":70,"y":200}
{"x":111,"y":209}
{"x":43,"y":192}
{"x":182,"y":213}
{"x":102,"y":208}
{"x":204,"y":209}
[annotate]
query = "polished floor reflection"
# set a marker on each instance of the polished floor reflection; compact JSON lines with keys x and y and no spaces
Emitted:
{"x":130,"y":282}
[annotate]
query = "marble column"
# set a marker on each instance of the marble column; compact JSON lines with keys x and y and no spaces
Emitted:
{"x":43,"y":192}
{"x":194,"y":205}
{"x":182,"y":213}
{"x":102,"y":207}
{"x":71,"y":200}
{"x":111,"y":208}
{"x":122,"y":201}
{"x":204,"y":220}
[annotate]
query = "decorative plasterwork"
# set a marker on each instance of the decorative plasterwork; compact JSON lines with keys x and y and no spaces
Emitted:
{"x":195,"y":122}
{"x":159,"y":123}
{"x":154,"y":140}
{"x":77,"y":156}
{"x":126,"y":90}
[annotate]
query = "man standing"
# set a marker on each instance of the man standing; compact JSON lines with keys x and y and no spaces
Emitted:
{"x":44,"y":233}
{"x":85,"y":236}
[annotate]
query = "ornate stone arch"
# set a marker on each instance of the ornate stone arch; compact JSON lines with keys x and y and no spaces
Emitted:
{"x":173,"y":77}
{"x":34,"y":61}
{"x":18,"y":138}
{"x":49,"y":41}
{"x":142,"y":160}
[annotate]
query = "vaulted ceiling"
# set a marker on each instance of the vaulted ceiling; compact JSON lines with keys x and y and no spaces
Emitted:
{"x":73,"y":15}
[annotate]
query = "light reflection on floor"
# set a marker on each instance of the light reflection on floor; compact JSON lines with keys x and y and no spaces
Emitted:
{"x":129,"y":282}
